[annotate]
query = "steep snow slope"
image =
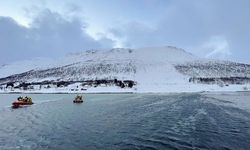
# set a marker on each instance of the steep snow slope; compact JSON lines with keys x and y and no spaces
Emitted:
{"x":156,"y":69}
{"x":119,"y":63}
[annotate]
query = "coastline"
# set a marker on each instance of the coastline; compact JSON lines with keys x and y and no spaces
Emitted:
{"x":181,"y":92}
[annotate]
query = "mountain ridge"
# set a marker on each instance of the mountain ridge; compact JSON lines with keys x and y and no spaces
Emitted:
{"x":159,"y":69}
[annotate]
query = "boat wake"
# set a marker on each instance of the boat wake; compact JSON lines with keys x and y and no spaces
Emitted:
{"x":9,"y":107}
{"x":46,"y":101}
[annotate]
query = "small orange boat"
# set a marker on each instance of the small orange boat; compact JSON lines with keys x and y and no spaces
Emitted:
{"x":20,"y":102}
{"x":78,"y":99}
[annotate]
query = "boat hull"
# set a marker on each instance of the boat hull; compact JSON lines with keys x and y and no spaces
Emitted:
{"x":21,"y":104}
{"x":78,"y":101}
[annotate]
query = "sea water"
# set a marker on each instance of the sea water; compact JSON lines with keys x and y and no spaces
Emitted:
{"x":127,"y":121}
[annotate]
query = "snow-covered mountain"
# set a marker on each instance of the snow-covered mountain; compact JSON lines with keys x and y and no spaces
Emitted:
{"x":158,"y":69}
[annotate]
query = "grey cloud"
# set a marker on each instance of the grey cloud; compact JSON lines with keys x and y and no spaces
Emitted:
{"x":190,"y":24}
{"x":49,"y":35}
{"x":136,"y":34}
{"x":73,"y":8}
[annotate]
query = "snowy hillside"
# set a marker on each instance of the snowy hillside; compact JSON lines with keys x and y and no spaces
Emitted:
{"x":213,"y":68}
{"x":158,"y":69}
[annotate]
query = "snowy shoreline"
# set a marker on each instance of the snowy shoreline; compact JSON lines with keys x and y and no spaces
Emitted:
{"x":140,"y":88}
{"x":125,"y":92}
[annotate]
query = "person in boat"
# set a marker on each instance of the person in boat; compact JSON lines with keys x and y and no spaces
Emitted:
{"x":29,"y":99}
{"x":78,"y":98}
{"x":20,"y":98}
{"x":26,"y":99}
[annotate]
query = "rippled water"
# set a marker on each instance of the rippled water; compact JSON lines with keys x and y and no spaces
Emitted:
{"x":127,"y":121}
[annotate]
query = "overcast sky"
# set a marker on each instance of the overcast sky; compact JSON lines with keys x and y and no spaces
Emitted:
{"x":48,"y":28}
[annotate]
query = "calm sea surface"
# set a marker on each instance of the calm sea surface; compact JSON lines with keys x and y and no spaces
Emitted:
{"x":127,"y":121}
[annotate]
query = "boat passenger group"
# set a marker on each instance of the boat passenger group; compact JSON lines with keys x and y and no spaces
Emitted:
{"x":26,"y":101}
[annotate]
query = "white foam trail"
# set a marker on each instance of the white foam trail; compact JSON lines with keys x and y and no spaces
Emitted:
{"x":47,"y":101}
{"x":9,"y":106}
{"x":35,"y":103}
